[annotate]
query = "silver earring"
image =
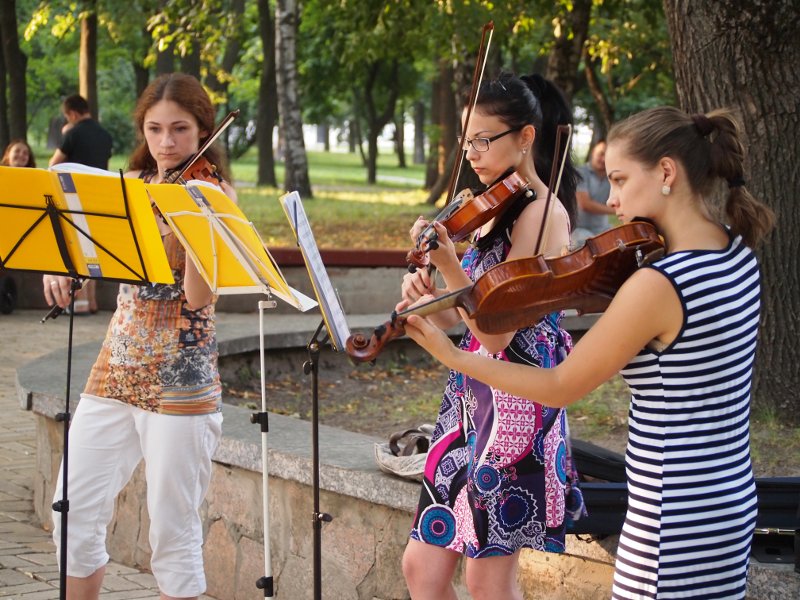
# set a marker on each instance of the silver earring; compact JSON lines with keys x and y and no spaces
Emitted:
{"x":524,"y":150}
{"x":665,"y":190}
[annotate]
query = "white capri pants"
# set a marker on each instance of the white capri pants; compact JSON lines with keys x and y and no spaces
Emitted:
{"x":107,"y":439}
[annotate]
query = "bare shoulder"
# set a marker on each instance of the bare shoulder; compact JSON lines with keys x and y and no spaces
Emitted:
{"x":526,"y":231}
{"x":649,"y":303}
{"x":646,"y":308}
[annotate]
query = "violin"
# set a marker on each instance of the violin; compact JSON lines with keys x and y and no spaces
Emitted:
{"x":517,"y":293}
{"x":466,"y":212}
{"x":197,"y":166}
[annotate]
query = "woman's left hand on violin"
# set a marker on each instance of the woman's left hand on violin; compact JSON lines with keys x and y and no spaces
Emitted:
{"x":415,"y":286}
{"x":443,"y":252}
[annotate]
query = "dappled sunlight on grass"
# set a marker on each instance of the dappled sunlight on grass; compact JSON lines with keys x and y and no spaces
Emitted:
{"x":346,"y":218}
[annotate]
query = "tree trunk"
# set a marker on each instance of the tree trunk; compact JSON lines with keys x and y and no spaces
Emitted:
{"x":432,"y":164}
{"x":141,"y":76}
{"x":603,"y":108}
{"x":400,"y":137}
{"x":5,"y":137}
{"x":448,"y":126}
{"x":295,"y":159}
{"x":377,"y":121}
{"x":747,"y":59}
{"x":15,"y":65}
{"x":87,"y":61}
{"x":218,"y":79}
{"x":165,"y":60}
{"x":267,"y":98}
{"x":419,"y":133}
{"x":190,"y":63}
{"x":562,"y":63}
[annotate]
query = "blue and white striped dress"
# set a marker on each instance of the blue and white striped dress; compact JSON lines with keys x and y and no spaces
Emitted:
{"x":691,"y":492}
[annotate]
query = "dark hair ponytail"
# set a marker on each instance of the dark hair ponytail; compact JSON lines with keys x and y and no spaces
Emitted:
{"x":555,"y":111}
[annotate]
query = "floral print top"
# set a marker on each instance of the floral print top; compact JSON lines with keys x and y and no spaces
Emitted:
{"x":158,"y":354}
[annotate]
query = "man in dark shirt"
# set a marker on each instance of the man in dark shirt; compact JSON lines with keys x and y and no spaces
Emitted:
{"x":85,"y":141}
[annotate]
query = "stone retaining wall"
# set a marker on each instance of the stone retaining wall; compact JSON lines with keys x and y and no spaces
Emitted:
{"x":361,"y":547}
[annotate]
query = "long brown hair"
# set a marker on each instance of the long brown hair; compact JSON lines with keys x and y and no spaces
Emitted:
{"x":6,"y":160}
{"x":710,"y":148}
{"x":188,"y":93}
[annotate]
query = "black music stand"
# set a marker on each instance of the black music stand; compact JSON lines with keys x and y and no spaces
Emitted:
{"x":52,"y":232}
{"x":337,"y":331}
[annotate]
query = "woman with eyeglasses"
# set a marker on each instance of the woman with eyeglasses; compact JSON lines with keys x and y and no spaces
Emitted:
{"x":499,"y":475}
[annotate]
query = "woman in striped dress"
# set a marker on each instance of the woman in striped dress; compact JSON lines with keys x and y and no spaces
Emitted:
{"x":683,"y":334}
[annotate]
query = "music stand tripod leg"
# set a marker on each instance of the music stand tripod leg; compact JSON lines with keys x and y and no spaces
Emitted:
{"x":266,"y":582}
{"x":312,"y":366}
{"x":62,"y":505}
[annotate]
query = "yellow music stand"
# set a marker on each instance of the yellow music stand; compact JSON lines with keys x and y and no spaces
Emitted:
{"x":82,"y":225}
{"x":85,"y":226}
{"x":224,"y":245}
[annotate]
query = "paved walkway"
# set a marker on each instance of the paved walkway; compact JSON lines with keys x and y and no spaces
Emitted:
{"x":28,"y":569}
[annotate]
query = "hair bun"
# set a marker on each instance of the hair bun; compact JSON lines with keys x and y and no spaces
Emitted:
{"x":537,"y":84}
{"x":703,"y":124}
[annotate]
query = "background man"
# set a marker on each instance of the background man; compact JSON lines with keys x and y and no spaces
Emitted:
{"x":592,"y":193}
{"x":86,"y":142}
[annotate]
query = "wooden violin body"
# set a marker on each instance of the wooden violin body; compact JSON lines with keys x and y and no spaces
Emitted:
{"x":467,"y":212}
{"x":200,"y":170}
{"x":517,"y":293}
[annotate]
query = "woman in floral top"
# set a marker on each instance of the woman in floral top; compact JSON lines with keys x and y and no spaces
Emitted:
{"x":154,"y":390}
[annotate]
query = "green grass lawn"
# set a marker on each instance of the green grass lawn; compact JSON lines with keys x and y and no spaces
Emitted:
{"x":345,"y":212}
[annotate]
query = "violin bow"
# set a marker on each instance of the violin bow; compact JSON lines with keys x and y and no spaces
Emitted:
{"x":477,"y":78}
{"x":223,"y":125}
{"x":552,"y":190}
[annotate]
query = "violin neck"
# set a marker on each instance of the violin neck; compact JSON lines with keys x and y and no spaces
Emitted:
{"x":449,"y":300}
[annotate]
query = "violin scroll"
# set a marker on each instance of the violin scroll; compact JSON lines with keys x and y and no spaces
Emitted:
{"x":362,"y":349}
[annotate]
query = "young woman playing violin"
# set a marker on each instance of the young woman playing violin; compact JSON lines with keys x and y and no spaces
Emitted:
{"x":499,"y":476}
{"x":682,"y":331}
{"x":154,"y":390}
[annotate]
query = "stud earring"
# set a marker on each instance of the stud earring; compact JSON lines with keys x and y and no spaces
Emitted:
{"x":524,"y":150}
{"x":665,"y":190}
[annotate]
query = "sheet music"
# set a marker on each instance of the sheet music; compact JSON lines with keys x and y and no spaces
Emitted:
{"x":332,"y":311}
{"x":224,"y":245}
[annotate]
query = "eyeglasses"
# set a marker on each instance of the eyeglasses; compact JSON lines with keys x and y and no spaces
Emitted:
{"x":481,"y":144}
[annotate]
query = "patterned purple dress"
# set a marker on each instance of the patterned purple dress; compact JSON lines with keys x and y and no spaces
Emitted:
{"x":499,"y":476}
